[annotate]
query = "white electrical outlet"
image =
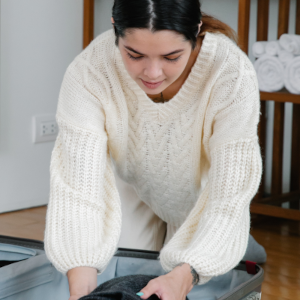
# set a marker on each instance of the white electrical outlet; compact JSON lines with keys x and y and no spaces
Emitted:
{"x":44,"y":128}
{"x":48,"y":128}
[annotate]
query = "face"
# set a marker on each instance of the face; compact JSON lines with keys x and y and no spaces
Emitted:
{"x":154,"y":60}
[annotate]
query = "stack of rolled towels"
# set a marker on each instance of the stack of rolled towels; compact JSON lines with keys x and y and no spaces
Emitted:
{"x":278,"y":63}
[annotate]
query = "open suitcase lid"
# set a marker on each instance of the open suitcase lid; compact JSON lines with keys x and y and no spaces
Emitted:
{"x":250,"y":290}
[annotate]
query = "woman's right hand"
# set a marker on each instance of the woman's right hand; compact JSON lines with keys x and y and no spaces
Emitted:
{"x":82,"y":281}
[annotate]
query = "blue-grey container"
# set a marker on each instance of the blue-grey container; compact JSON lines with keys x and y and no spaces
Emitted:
{"x":26,"y":273}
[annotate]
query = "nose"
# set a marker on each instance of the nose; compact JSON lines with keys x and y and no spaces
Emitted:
{"x":153,"y":70}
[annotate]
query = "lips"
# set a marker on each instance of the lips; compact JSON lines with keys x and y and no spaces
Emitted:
{"x":152,"y":85}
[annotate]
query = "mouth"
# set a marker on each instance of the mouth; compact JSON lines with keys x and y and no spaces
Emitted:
{"x":152,"y":85}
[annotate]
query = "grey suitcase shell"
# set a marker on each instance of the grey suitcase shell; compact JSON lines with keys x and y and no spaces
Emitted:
{"x":26,"y":273}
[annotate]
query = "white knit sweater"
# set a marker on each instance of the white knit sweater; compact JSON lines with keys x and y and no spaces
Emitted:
{"x":195,"y":160}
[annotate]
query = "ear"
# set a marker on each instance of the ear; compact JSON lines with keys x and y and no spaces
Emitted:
{"x":199,"y":27}
{"x":112,"y":20}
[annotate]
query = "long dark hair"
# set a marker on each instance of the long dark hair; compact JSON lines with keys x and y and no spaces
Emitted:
{"x":182,"y":16}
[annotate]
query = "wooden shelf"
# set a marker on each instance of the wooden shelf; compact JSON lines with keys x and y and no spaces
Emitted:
{"x":274,"y":211}
{"x":281,"y":96}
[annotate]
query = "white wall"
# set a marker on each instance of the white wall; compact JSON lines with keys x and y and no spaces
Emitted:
{"x":103,"y":13}
{"x":38,"y":41}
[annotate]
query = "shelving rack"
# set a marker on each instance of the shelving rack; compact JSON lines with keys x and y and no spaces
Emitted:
{"x":271,"y":205}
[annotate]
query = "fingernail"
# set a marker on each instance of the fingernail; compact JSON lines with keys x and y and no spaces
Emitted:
{"x":140,"y":294}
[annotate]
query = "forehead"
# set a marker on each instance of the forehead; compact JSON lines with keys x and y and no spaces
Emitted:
{"x":159,"y":42}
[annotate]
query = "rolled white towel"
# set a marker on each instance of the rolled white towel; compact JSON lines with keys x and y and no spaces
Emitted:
{"x":290,"y":43}
{"x":269,"y":71}
{"x":273,"y":48}
{"x":259,"y":48}
{"x":292,"y":76}
{"x":285,"y":57}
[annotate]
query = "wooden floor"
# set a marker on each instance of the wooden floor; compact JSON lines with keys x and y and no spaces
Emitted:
{"x":281,"y":239}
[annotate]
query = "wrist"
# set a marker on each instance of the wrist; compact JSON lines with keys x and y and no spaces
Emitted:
{"x":82,"y":280}
{"x":195,"y":275}
{"x":188,"y":273}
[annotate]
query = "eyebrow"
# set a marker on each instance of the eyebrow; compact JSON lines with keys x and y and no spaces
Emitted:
{"x":171,"y":53}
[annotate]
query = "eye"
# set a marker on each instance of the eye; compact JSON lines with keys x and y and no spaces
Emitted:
{"x":140,"y":57}
{"x":173,"y":59}
{"x":133,"y":57}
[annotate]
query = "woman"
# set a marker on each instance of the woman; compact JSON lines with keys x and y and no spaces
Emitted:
{"x":171,"y":101}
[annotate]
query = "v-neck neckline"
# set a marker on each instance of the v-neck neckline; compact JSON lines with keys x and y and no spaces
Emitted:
{"x":161,"y":112}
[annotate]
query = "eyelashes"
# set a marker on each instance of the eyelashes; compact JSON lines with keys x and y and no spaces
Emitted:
{"x":134,"y":58}
{"x":140,"y":57}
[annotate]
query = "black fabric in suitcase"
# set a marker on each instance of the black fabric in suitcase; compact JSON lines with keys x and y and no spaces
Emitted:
{"x":26,"y":273}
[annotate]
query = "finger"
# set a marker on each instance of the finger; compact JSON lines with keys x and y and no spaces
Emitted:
{"x":148,"y":290}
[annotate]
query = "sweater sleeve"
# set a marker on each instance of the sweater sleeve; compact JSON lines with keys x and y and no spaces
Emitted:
{"x":214,"y":237}
{"x":83,"y":220}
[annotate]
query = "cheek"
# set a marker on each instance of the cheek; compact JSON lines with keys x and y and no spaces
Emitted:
{"x":132,"y":67}
{"x":174,"y":70}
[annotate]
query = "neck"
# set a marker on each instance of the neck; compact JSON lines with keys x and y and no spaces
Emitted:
{"x":158,"y":99}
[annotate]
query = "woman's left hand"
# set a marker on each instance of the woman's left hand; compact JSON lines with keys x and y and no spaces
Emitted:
{"x":174,"y":285}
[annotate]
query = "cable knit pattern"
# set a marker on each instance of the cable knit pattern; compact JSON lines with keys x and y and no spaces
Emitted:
{"x":195,"y":160}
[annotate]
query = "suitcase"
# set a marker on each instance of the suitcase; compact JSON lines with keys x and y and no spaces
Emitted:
{"x":26,"y":273}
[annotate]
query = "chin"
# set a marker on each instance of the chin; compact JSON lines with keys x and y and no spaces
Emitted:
{"x":153,"y":92}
